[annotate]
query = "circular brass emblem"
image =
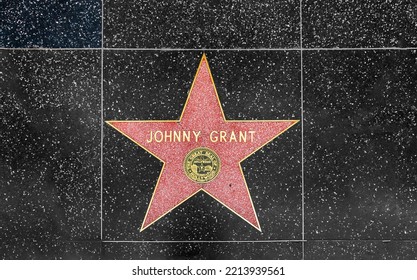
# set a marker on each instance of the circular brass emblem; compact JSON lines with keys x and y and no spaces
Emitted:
{"x":201,"y":165}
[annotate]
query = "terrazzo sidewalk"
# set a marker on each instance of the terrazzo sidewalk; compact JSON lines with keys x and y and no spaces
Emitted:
{"x":341,"y":184}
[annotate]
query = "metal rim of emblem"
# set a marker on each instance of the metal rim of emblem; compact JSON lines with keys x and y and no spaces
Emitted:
{"x":201,"y":165}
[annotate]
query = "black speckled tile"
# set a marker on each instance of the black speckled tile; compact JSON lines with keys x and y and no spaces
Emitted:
{"x":154,"y":85}
{"x":50,"y":250}
{"x":361,"y":250}
{"x":49,"y":146}
{"x":359,"y":23}
{"x":360,"y":144}
{"x":203,"y":251}
{"x":52,"y":24}
{"x":201,"y":24}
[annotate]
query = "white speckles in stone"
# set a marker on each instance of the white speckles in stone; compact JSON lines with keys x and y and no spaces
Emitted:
{"x":211,"y":24}
{"x":53,"y":24}
{"x":360,"y":23}
{"x":49,"y":169}
{"x":360,"y":155}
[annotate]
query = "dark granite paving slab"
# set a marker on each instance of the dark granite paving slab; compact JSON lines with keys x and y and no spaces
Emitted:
{"x":361,"y":250}
{"x":49,"y":146}
{"x":359,"y":24}
{"x":201,"y":24}
{"x":203,"y":251}
{"x":360,"y":144}
{"x":50,"y":250}
{"x":50,"y":24}
{"x":154,"y":85}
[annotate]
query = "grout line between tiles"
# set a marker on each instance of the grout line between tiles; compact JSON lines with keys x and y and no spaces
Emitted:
{"x":359,"y":49}
{"x":52,"y":49}
{"x":202,"y":49}
{"x":302,"y":126}
{"x":240,"y":241}
{"x":358,"y":240}
{"x":260,"y":49}
{"x":102,"y":121}
{"x":210,"y":49}
{"x":202,"y":241}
